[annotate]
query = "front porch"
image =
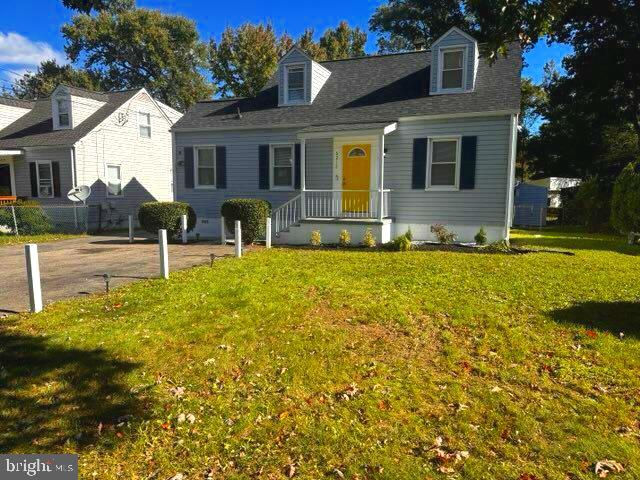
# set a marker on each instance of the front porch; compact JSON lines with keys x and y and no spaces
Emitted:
{"x":7,"y":176}
{"x":358,"y":198}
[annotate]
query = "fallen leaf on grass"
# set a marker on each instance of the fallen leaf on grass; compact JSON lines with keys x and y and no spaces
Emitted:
{"x":591,"y":333}
{"x":177,"y":391}
{"x":177,"y":476}
{"x":605,"y":467}
{"x":290,"y":470}
{"x":527,"y":476}
{"x":349,"y":392}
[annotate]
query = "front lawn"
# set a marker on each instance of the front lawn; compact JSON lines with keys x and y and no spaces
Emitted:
{"x":342,"y":364}
{"x":43,"y":238}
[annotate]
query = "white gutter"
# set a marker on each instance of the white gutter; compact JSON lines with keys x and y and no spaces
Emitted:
{"x":11,"y":152}
{"x":442,"y":116}
{"x":74,"y":173}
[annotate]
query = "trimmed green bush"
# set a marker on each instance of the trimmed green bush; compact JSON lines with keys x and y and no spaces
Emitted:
{"x":154,"y":216}
{"x":401,"y":243}
{"x":625,"y":203}
{"x":481,"y":236}
{"x":369,"y":239}
{"x":252,"y":213}
{"x":30,"y":218}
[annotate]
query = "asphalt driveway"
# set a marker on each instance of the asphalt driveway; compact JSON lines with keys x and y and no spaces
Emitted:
{"x":71,"y":268}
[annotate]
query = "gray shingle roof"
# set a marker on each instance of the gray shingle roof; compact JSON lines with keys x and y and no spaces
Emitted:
{"x":366,"y":90}
{"x":15,"y":102}
{"x":35,"y":128}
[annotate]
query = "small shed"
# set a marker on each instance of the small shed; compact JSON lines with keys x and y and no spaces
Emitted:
{"x":530,"y":205}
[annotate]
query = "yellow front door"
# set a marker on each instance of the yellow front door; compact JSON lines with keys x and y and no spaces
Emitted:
{"x":356,"y":171}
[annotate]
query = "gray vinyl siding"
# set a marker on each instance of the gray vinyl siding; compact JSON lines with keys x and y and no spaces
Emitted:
{"x":242,"y":167}
{"x":294,"y":57}
{"x":485,"y":204}
{"x":454,"y":38}
{"x":23,"y":176}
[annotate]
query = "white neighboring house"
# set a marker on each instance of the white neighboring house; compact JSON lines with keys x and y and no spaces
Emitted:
{"x":554,"y":185}
{"x":118,"y":143}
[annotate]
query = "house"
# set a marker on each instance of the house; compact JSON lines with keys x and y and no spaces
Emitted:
{"x":118,"y":143}
{"x":385,"y":142}
{"x":530,"y":205}
{"x":554,"y":186}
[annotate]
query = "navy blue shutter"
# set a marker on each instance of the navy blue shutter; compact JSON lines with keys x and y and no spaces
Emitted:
{"x":297,"y":166}
{"x":188,"y":167}
{"x":419,"y":172}
{"x":221,"y":167}
{"x":55,"y":171}
{"x":263,"y":167}
{"x":34,"y":179}
{"x":468,"y":163}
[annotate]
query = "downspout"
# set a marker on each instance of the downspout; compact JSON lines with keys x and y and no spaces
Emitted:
{"x":74,"y":172}
{"x":511,"y":172}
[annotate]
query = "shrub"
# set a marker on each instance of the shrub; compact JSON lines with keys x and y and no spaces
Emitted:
{"x":591,"y":205}
{"x":481,"y":236}
{"x":401,"y":243}
{"x":252,"y":213}
{"x":369,"y":239}
{"x":154,"y":216}
{"x":345,"y":238}
{"x":501,"y":246}
{"x":625,"y":202}
{"x":30,"y":218}
{"x":316,"y":238}
{"x":409,"y":234}
{"x":442,"y":234}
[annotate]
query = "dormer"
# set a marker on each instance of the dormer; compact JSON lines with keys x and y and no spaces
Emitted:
{"x":454,"y":63}
{"x":299,"y":78}
{"x":70,"y":106}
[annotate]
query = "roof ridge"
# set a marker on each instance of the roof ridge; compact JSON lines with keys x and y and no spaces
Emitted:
{"x":376,"y":55}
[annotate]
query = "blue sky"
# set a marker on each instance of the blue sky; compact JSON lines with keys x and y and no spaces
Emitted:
{"x":30,"y":29}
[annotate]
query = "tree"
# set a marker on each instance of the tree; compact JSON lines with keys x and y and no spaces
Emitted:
{"x":87,"y":6}
{"x":246,"y":58}
{"x":625,"y":204}
{"x":49,"y":75}
{"x":401,"y":24}
{"x":532,"y":100}
{"x":142,"y":48}
{"x":343,"y":42}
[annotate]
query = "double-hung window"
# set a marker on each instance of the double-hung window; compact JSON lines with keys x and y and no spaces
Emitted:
{"x":205,"y":167}
{"x":114,"y":180}
{"x":444,"y":161}
{"x":63,"y":113}
{"x":144,"y":124}
{"x":295,"y":84}
{"x":282,"y":167}
{"x":452,"y":69}
{"x":45,"y":179}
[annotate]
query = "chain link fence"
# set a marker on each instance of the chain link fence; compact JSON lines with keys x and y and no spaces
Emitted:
{"x":40,"y":219}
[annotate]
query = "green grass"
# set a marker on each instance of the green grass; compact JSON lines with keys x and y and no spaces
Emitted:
{"x":341,"y":361}
{"x":43,"y":238}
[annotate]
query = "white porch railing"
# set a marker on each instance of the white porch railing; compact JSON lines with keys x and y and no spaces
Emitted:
{"x":287,"y":214}
{"x":363,"y":204}
{"x":345,"y":203}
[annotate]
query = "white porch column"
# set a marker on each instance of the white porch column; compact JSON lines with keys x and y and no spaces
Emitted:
{"x":303,"y":179}
{"x":381,"y":177}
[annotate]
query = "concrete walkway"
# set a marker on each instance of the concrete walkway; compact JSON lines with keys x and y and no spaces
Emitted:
{"x":74,"y":267}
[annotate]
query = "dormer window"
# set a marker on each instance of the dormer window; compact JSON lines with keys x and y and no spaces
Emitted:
{"x":295,"y":89}
{"x":452,"y":73}
{"x":63,"y":114}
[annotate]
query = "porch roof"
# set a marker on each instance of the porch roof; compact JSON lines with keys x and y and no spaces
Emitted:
{"x":10,"y":152}
{"x":371,"y":128}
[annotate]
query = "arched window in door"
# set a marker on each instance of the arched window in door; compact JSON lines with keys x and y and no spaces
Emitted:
{"x":357,"y":152}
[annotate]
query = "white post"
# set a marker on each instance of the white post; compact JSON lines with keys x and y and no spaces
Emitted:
{"x":303,"y":182}
{"x":130,"y":228}
{"x":268,"y":233}
{"x":15,"y":221}
{"x":184,"y":229}
{"x":381,"y":177}
{"x":223,"y":231}
{"x":33,"y":277}
{"x":164,"y":254}
{"x":238,"y":239}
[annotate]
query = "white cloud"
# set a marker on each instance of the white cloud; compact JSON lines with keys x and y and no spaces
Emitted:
{"x":16,"y":49}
